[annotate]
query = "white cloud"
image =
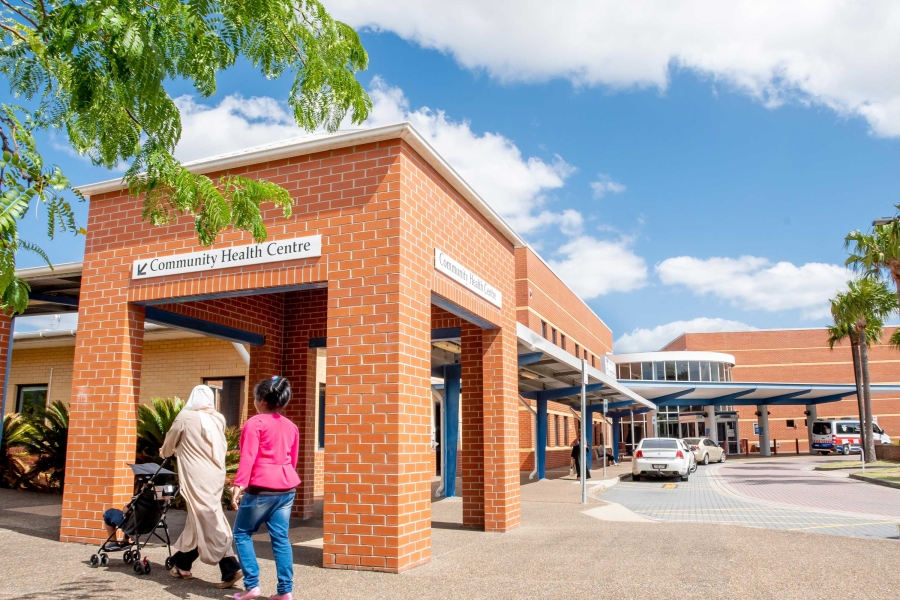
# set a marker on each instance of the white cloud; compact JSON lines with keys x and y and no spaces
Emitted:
{"x":755,"y":283}
{"x":648,"y":340}
{"x":605,"y":185}
{"x":514,"y":185}
{"x":593,"y":267}
{"x":39,"y":322}
{"x":843,"y":55}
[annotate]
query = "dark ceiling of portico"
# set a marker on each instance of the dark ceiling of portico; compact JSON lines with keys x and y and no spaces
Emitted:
{"x":53,"y":293}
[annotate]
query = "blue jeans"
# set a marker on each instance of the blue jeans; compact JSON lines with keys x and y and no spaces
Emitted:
{"x":275,"y":512}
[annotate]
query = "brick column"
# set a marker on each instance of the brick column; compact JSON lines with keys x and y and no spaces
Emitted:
{"x":267,"y":360}
{"x":472,"y":411}
{"x":102,"y":414}
{"x":5,"y":335}
{"x":501,"y":430}
{"x":377,"y":429}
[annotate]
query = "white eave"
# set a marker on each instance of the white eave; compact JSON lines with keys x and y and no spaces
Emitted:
{"x":322,"y":143}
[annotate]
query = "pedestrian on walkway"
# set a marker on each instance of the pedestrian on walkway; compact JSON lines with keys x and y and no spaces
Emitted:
{"x":197,"y":439}
{"x":265,"y":485}
{"x":576,"y":454}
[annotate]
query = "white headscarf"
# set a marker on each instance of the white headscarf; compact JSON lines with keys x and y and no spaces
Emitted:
{"x":203,"y":400}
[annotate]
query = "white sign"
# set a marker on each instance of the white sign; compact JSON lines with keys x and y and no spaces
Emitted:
{"x":224,"y":258}
{"x":459,"y":273}
{"x":609,"y":367}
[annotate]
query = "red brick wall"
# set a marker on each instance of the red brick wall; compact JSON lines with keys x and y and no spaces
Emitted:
{"x":801,"y":356}
{"x":541,"y":295}
{"x":381,"y":211}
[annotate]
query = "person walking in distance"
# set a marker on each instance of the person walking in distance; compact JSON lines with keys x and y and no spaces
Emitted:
{"x":265,"y":485}
{"x":576,"y":454}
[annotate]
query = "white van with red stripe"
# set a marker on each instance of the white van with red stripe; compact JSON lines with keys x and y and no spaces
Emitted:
{"x":841,"y":435}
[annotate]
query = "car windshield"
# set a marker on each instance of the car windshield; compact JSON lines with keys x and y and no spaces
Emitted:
{"x":821,"y":428}
{"x":692,"y":441}
{"x":659,"y":443}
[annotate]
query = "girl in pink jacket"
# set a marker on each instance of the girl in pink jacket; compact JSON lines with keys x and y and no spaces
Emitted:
{"x":264,"y":486}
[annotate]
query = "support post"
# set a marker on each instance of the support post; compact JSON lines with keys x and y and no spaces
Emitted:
{"x":583,"y":445}
{"x":450,"y":431}
{"x":812,"y":409}
{"x":763,"y":430}
{"x":633,"y":441}
{"x":710,"y":424}
{"x":540,"y":444}
{"x":615,"y":437}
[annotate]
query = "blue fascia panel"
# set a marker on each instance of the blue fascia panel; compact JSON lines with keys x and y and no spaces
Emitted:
{"x":50,"y":299}
{"x":664,"y":400}
{"x":560,"y":392}
{"x":445,"y":333}
{"x":319,"y":342}
{"x":530,"y":358}
{"x":461,"y":312}
{"x":231,"y":334}
{"x":831,"y":398}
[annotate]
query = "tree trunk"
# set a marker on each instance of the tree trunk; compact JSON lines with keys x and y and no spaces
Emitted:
{"x":857,"y":373}
{"x":867,"y":394}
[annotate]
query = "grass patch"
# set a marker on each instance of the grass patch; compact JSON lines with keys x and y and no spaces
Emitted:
{"x":854,"y":464}
{"x":884,"y":474}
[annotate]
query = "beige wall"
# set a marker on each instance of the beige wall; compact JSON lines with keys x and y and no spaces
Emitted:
{"x":170,"y":368}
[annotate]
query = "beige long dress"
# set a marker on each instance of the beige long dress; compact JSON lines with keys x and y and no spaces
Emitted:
{"x":202,"y":481}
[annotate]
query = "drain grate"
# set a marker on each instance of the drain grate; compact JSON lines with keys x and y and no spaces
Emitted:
{"x":670,"y":486}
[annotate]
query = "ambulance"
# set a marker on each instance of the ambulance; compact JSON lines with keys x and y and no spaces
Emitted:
{"x":841,"y":435}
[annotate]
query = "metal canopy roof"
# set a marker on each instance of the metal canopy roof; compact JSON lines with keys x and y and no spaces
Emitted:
{"x":733,"y":393}
{"x":53,"y":291}
{"x":549,"y":372}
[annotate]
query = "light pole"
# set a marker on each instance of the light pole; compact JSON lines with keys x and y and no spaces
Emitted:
{"x":884,"y":221}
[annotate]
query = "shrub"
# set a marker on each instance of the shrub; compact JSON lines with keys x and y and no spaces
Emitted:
{"x":12,"y":464}
{"x":47,"y":440}
{"x":154,"y":422}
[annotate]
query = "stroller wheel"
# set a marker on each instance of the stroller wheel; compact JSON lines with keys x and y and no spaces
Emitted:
{"x":169,"y":563}
{"x":135,"y":556}
{"x":138,"y":568}
{"x":146,"y":566}
{"x":104,"y":559}
{"x":126,"y":557}
{"x":95,"y":561}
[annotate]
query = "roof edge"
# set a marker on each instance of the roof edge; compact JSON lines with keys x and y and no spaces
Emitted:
{"x":404,"y":131}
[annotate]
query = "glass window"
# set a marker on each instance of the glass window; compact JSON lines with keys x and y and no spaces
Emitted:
{"x":562,"y":341}
{"x":659,"y":443}
{"x":714,"y":371}
{"x":592,"y":361}
{"x":704,"y":371}
{"x":821,"y":428}
{"x":544,"y":329}
{"x":694,"y":371}
{"x":728,"y":373}
{"x":682,"y":368}
{"x":659,"y":371}
{"x":625,"y":371}
{"x":670,"y":370}
{"x":566,"y":429}
{"x":553,"y":331}
{"x":721,"y":372}
{"x":635,"y":370}
{"x":31,"y":397}
{"x":556,"y":427}
{"x":647,"y":371}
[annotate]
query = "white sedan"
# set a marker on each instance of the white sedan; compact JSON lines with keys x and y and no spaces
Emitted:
{"x":663,"y":457}
{"x":705,"y":450}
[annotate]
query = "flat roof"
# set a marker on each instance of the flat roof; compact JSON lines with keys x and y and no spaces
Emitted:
{"x":742,"y":393}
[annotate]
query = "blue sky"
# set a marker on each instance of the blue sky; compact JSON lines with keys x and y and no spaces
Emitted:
{"x":693,"y":190}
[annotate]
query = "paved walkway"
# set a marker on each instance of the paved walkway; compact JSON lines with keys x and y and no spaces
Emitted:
{"x":783,"y":494}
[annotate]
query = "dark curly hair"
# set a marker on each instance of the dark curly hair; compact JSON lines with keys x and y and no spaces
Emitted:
{"x":274,"y":392}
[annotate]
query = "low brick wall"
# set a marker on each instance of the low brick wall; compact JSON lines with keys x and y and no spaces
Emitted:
{"x":887,"y":452}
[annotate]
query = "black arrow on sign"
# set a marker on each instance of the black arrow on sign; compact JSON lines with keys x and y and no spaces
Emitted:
{"x":142,"y":269}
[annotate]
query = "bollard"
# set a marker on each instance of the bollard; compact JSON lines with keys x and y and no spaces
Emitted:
{"x":797,"y":444}
{"x":774,"y":447}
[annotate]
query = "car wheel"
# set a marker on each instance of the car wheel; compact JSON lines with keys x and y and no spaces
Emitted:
{"x":686,"y":475}
{"x":706,"y":458}
{"x":635,"y":477}
{"x":845,"y":450}
{"x":722,"y":458}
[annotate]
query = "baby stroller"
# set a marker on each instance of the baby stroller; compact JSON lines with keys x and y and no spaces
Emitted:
{"x":143,"y":517}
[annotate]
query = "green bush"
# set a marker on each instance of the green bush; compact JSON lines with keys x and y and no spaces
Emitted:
{"x":47,"y":440}
{"x":12,"y":464}
{"x":154,"y":422}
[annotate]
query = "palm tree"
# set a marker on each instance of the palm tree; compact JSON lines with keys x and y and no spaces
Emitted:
{"x":868,"y":303}
{"x":48,"y":441}
{"x":154,"y":422}
{"x":844,"y":327}
{"x":12,"y":467}
{"x":876,"y":253}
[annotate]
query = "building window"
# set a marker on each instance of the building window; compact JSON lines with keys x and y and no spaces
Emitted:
{"x":790,"y":424}
{"x":556,"y":428}
{"x":229,"y":393}
{"x":592,"y":361}
{"x":647,"y":371}
{"x":544,"y":329}
{"x":694,"y":368}
{"x":577,"y":351}
{"x":562,"y":341}
{"x":659,"y":371}
{"x":320,"y":424}
{"x":566,"y":429}
{"x":30,"y":397}
{"x":553,"y":331}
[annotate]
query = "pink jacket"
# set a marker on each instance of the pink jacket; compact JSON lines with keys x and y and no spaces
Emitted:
{"x":269,"y":447}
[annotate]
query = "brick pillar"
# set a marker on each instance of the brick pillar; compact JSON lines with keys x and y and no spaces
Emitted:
{"x":267,"y":360}
{"x":305,"y":314}
{"x":472,"y":411}
{"x":102,"y":414}
{"x":5,"y":334}
{"x":377,"y":511}
{"x":501,"y":430}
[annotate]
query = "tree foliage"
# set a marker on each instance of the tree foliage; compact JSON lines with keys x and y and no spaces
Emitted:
{"x":877,"y":253}
{"x":12,"y":465}
{"x":96,"y":70}
{"x":154,"y":422}
{"x":48,"y":440}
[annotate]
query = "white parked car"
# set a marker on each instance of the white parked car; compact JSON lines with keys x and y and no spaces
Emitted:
{"x":705,"y":450}
{"x":663,"y":457}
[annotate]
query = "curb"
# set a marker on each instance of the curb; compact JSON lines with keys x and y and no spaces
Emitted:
{"x":882,"y":482}
{"x":855,"y":467}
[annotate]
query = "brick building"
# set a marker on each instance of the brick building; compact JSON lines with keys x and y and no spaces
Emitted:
{"x":393,"y":284}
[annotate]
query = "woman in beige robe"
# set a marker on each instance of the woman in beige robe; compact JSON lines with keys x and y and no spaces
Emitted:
{"x":197,"y":439}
